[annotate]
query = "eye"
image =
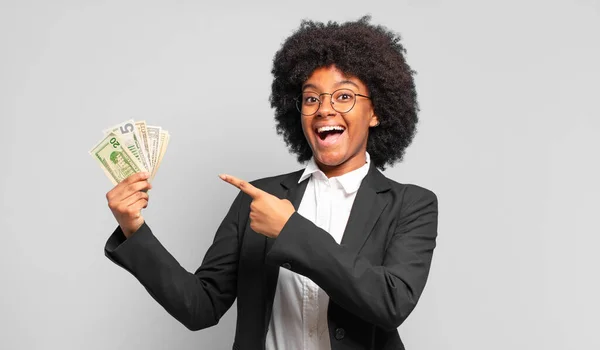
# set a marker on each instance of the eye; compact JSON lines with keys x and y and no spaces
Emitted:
{"x":344,"y":96}
{"x":310,"y":99}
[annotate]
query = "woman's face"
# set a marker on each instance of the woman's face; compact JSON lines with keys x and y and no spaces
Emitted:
{"x":342,"y":149}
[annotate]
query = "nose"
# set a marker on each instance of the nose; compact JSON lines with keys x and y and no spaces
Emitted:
{"x":326,"y":109}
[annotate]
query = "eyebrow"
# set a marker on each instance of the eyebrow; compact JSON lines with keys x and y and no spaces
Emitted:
{"x":343,"y":82}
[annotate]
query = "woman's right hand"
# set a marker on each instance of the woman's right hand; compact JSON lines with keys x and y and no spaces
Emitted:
{"x":126,"y":201}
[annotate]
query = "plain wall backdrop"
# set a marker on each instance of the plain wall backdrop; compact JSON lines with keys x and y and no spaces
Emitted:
{"x":508,"y":139}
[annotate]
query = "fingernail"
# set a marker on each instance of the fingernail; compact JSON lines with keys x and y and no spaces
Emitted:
{"x":222,"y":176}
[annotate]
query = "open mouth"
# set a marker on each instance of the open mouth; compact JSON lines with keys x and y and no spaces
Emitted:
{"x":330,"y":133}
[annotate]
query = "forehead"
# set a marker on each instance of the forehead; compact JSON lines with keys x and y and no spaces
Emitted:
{"x":324,"y":78}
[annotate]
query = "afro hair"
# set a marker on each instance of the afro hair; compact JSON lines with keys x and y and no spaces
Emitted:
{"x":373,"y":54}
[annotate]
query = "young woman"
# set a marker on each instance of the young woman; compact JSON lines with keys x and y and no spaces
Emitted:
{"x":333,"y":256}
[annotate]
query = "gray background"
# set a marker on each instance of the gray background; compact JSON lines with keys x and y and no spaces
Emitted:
{"x":508,"y":140}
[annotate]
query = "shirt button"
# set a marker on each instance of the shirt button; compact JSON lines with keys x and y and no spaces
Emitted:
{"x":340,"y":333}
{"x":286,"y":266}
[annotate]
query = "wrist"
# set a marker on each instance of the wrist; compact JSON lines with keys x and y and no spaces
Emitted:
{"x":130,"y":231}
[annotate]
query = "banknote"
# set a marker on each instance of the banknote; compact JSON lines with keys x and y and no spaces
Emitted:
{"x":140,"y":126}
{"x":130,"y":147}
{"x":130,"y":138}
{"x":163,"y":143}
{"x":153,"y":143}
{"x":117,"y":161}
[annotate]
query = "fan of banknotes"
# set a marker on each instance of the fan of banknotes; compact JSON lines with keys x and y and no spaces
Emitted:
{"x":131,"y":147}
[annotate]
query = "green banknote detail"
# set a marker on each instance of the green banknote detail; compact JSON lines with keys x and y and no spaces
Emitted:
{"x":129,"y":138}
{"x":116,"y":161}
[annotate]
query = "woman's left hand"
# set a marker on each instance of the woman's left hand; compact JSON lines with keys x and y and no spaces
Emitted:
{"x":268,"y":214}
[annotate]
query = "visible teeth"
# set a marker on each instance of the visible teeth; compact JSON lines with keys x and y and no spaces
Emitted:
{"x":330,"y":128}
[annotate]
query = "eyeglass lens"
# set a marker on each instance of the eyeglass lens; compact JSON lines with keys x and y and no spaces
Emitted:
{"x":341,"y":100}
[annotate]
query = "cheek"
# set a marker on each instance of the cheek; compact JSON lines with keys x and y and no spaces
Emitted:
{"x":306,"y":126}
{"x":359,"y":122}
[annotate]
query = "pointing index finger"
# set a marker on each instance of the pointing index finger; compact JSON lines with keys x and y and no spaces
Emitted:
{"x":242,"y":185}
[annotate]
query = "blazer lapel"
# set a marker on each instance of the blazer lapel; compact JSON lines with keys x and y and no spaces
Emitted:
{"x":365,"y":212}
{"x":292,"y":191}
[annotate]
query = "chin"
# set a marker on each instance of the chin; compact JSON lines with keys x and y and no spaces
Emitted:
{"x":331,"y":159}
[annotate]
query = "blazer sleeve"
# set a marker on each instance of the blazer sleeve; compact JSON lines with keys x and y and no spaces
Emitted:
{"x":197,"y":300}
{"x":384,"y":294}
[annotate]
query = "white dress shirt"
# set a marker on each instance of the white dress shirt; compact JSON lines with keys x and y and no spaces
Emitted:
{"x":299,"y":316}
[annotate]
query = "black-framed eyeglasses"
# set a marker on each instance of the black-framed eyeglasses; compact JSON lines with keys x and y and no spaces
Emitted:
{"x":342,"y":101}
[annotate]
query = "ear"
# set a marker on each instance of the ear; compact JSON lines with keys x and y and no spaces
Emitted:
{"x":374,"y":121}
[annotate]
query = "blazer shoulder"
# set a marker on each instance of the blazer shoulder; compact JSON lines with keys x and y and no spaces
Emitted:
{"x":412,"y":192}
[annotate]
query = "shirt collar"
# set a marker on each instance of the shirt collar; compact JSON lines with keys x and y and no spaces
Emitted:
{"x":350,"y":181}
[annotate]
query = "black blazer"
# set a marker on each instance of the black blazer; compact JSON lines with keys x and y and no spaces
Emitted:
{"x":374,"y":278}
